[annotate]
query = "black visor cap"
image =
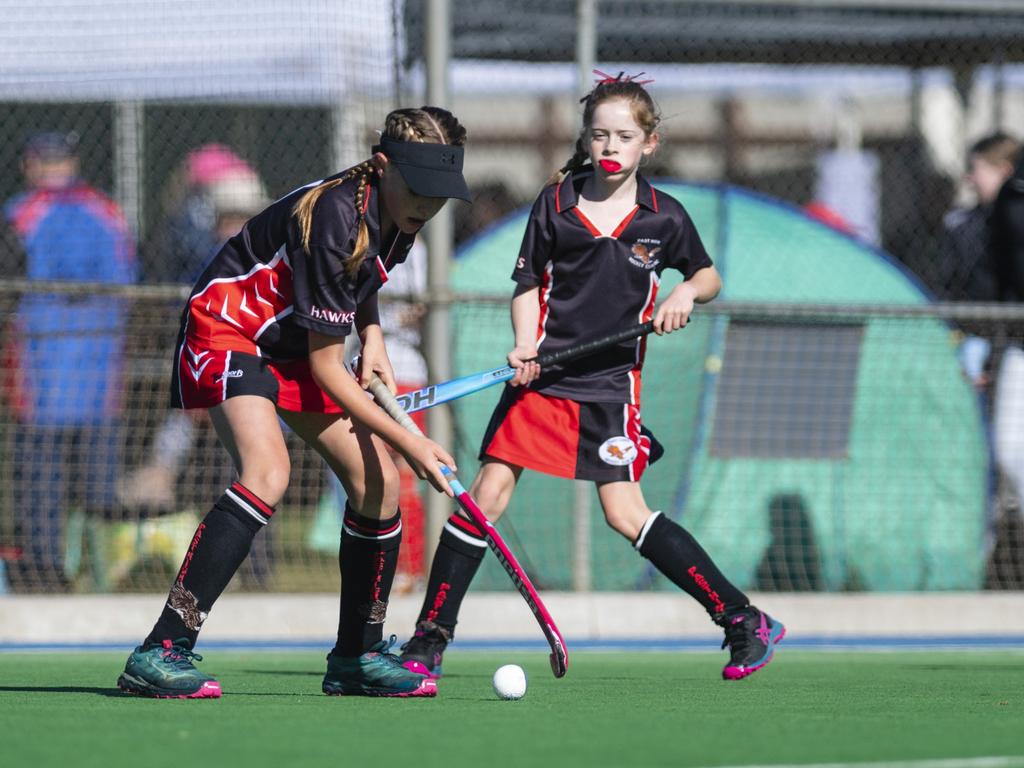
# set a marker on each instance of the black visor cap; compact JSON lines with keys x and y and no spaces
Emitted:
{"x":429,"y":170}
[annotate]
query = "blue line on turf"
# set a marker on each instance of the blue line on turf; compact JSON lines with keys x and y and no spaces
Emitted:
{"x":632,"y":645}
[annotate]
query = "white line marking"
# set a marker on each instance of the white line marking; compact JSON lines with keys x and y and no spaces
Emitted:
{"x":1008,"y":761}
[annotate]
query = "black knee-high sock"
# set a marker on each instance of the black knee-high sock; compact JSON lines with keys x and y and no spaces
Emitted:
{"x":675,"y":553}
{"x":219,"y":546}
{"x":458,"y":557}
{"x":367,"y":558}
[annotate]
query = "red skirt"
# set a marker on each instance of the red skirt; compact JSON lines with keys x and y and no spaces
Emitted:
{"x":603,"y":442}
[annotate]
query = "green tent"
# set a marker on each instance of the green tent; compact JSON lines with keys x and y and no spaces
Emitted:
{"x":828,"y":452}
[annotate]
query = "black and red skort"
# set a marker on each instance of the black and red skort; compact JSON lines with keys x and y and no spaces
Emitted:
{"x":603,"y":442}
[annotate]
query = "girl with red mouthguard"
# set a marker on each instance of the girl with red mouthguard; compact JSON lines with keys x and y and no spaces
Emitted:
{"x":597,"y":240}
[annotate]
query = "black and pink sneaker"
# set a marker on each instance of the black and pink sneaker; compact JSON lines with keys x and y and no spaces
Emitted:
{"x":751,"y":637}
{"x":424,"y":650}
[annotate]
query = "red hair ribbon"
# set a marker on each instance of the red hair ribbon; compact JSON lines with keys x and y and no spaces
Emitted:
{"x":622,"y":77}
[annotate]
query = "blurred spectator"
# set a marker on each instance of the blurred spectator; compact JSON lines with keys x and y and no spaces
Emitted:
{"x":68,"y":348}
{"x":1008,"y":411}
{"x":207,"y":200}
{"x":965,"y":271}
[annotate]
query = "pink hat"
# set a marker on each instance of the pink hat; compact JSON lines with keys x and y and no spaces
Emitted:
{"x":212,"y":162}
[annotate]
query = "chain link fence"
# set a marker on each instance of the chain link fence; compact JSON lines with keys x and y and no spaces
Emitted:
{"x":180,"y":120}
{"x":814,"y":447}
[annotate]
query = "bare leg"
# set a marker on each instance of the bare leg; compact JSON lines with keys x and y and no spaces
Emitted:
{"x":493,"y":486}
{"x":625,"y":509}
{"x":358,"y":457}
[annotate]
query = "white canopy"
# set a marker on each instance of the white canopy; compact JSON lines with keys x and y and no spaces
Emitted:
{"x":296,"y":51}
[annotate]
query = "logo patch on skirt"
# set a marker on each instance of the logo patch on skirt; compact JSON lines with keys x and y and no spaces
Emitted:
{"x":617,"y":451}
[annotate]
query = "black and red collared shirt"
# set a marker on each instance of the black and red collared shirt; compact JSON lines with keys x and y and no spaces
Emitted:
{"x":263,"y":291}
{"x":593,"y":283}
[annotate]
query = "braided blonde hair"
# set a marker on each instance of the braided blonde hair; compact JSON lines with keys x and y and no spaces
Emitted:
{"x":645,"y":112}
{"x":431,"y":125}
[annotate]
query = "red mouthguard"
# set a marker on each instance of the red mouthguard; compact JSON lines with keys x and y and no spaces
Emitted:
{"x":611,"y":166}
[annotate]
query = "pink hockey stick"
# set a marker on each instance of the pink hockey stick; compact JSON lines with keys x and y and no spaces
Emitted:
{"x":559,"y":654}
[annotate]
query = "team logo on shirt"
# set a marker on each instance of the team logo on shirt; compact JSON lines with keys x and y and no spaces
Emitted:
{"x":643,"y":252}
{"x":617,"y":451}
{"x":332,"y":316}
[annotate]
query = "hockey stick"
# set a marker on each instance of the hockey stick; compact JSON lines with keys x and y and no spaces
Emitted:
{"x":435,"y":394}
{"x":559,"y":654}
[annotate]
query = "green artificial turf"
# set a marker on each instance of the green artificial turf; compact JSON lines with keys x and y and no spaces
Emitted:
{"x":613,"y":709}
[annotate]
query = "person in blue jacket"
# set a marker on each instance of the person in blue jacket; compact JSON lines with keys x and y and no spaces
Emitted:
{"x":69,"y":352}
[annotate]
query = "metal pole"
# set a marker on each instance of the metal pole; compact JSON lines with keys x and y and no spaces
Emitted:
{"x":586,"y":43}
{"x":586,"y":57}
{"x":439,"y":237}
{"x":999,"y":90}
{"x":128,"y":162}
{"x":396,"y":54}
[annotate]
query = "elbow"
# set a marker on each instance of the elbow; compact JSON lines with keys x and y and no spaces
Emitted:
{"x":708,"y":284}
{"x":715,"y":288}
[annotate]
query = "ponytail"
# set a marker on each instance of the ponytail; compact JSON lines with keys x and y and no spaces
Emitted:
{"x":577,"y":161}
{"x":306,"y":204}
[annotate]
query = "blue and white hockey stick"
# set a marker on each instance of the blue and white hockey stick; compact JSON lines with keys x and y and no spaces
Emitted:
{"x":446,"y":391}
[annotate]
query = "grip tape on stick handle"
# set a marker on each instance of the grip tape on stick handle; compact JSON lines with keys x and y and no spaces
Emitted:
{"x":387,"y":401}
{"x":580,"y":350}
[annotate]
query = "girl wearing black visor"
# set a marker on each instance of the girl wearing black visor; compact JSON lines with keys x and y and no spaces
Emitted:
{"x":262,"y":340}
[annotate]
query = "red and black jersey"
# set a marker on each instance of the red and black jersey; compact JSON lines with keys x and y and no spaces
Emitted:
{"x":593,"y":284}
{"x":263,"y":291}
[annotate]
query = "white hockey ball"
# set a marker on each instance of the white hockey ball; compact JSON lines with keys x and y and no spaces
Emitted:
{"x":510,"y":682}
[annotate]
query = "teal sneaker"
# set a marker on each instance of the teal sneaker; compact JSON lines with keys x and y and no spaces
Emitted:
{"x":376,"y":673}
{"x":166,"y":672}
